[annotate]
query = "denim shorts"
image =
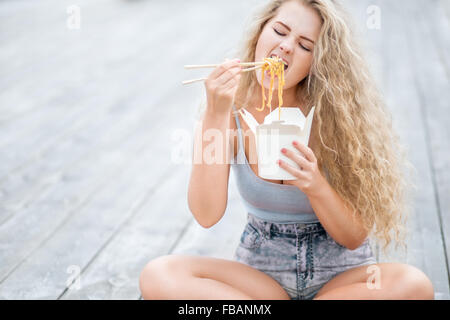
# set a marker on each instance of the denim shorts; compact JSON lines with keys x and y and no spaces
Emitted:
{"x":302,"y":258}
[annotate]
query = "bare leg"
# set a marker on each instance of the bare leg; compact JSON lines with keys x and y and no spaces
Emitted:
{"x":203,"y":278}
{"x":191,"y":287}
{"x":397,"y":281}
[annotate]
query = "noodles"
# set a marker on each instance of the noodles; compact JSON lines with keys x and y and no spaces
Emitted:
{"x":275,"y":67}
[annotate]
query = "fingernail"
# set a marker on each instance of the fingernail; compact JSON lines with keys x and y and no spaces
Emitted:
{"x":279,"y":162}
{"x":295,"y":143}
{"x":283,"y":150}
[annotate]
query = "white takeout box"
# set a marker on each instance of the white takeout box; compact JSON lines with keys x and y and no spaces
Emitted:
{"x":274,"y":134}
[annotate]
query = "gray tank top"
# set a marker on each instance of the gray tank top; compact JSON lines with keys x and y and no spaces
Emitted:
{"x":273,"y":202}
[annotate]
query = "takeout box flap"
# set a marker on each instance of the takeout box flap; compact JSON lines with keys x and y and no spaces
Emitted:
{"x":290,"y":116}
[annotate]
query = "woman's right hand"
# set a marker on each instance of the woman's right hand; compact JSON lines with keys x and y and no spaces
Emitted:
{"x":221,"y":86}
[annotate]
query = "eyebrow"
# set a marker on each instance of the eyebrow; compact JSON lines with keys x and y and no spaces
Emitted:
{"x":287,"y":27}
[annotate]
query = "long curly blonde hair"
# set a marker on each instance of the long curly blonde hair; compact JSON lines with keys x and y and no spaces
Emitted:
{"x":358,"y":146}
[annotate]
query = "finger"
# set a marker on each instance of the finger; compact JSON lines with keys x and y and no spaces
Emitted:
{"x":232,"y":82}
{"x":228,"y":75}
{"x":230,"y":90}
{"x":223,"y":68}
{"x":294,"y":171}
{"x":309,"y":154}
{"x":297,"y":158}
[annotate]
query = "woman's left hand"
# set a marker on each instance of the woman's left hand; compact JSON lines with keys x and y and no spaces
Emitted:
{"x":309,"y":179}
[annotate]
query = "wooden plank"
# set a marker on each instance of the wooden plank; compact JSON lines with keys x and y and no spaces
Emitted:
{"x":221,"y":238}
{"x":445,"y":6}
{"x":371,"y":46}
{"x":55,"y":122}
{"x":43,"y":30}
{"x":17,"y":274}
{"x":37,"y":222}
{"x":169,"y":229}
{"x":89,"y":174}
{"x":375,"y":41}
{"x":106,"y":277}
{"x":151,"y":231}
{"x":425,"y":245}
{"x":111,"y":121}
{"x":436,"y":96}
{"x":389,"y":63}
{"x":437,"y":20}
{"x":48,"y":55}
{"x":75,"y":225}
{"x":85,"y":233}
{"x":432,"y":82}
{"x":25,"y":185}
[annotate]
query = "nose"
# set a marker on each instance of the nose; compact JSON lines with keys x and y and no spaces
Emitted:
{"x":286,"y":47}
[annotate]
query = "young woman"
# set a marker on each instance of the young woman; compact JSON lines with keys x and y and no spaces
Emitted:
{"x":305,"y":238}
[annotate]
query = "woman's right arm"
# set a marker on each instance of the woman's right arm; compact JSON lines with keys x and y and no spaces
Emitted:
{"x":208,"y":185}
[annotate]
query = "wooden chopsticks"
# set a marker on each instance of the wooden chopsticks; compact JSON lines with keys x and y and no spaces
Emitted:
{"x":243,"y":64}
{"x":253,"y":65}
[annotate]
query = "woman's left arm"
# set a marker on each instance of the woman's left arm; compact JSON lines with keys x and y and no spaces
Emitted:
{"x":330,"y":209}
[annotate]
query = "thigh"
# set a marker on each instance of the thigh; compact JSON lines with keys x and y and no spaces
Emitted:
{"x":373,"y":275}
{"x":240,"y":276}
{"x":330,"y":259}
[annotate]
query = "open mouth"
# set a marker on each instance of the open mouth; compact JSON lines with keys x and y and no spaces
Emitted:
{"x":286,"y":65}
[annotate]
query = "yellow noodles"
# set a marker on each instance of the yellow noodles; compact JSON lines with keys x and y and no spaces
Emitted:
{"x":275,"y":67}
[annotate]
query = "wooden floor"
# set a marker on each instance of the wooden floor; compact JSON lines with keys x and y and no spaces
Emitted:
{"x":92,"y":179}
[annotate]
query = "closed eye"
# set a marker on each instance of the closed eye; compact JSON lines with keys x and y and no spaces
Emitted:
{"x":279,"y":33}
{"x":304,"y":47}
{"x":282,"y":34}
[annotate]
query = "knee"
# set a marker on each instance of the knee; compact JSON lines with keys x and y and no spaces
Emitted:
{"x":413,"y":283}
{"x":156,"y":277}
